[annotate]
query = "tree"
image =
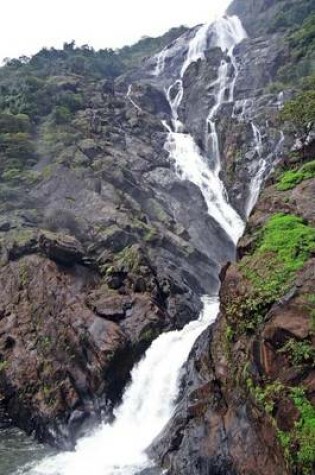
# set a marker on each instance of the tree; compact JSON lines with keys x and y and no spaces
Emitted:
{"x":299,"y":115}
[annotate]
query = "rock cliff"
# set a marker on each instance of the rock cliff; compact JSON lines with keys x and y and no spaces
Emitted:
{"x":105,"y":243}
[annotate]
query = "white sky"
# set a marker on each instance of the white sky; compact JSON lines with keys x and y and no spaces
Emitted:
{"x":28,"y":25}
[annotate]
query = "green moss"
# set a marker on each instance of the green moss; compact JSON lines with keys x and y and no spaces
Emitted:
{"x":245,"y":313}
{"x":21,"y":236}
{"x":299,"y":443}
{"x":11,"y":175}
{"x":290,"y":239}
{"x":285,"y":442}
{"x":47,"y":171}
{"x":305,"y":431}
{"x":298,"y":115}
{"x":148,"y":334}
{"x":275,"y":87}
{"x":286,"y":244}
{"x":311,"y":308}
{"x":129,"y":258}
{"x":301,"y":41}
{"x":295,"y":13}
{"x":266,"y":396}
{"x":291,"y":178}
{"x":228,"y":340}
{"x":299,"y":352}
{"x":61,"y":115}
{"x":3,"y":365}
{"x":151,"y":234}
{"x":23,"y":273}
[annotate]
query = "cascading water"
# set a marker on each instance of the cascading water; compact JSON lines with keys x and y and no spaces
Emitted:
{"x":129,"y":97}
{"x":160,"y":62}
{"x":220,"y":86}
{"x":148,"y":403}
{"x":197,"y":47}
{"x":189,"y":162}
{"x":120,"y":448}
{"x":228,"y":32}
{"x":257,"y":180}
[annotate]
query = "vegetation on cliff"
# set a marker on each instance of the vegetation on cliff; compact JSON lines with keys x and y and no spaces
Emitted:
{"x":41,"y":98}
{"x":291,"y":178}
{"x":269,"y":310}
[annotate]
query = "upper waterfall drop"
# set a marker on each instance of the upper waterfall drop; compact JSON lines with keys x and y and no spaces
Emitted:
{"x":228,"y":32}
{"x":190,"y":164}
{"x":160,"y":62}
{"x":197,"y":47}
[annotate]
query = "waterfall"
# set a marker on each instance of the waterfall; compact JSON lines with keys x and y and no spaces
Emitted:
{"x":257,"y":139}
{"x":190,"y":165}
{"x":160,"y":62}
{"x":220,"y":91}
{"x":148,"y":404}
{"x":257,"y":180}
{"x":280,"y":100}
{"x":228,"y":32}
{"x":263,"y":168}
{"x":197,"y":47}
{"x":129,"y":97}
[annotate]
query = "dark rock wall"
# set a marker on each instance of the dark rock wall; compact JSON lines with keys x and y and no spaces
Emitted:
{"x":238,"y":390}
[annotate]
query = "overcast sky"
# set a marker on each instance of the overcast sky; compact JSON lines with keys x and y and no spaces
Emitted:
{"x":28,"y":25}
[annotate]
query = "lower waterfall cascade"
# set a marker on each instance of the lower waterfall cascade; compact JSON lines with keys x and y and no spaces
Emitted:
{"x":147,"y":405}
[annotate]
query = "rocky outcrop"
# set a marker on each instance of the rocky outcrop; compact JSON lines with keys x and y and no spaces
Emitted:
{"x":69,"y":335}
{"x":249,"y":376}
{"x":266,"y":16}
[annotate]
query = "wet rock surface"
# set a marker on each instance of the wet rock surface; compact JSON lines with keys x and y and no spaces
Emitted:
{"x":237,"y":384}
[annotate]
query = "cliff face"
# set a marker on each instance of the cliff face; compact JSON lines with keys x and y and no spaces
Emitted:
{"x":247,"y":398}
{"x":269,"y":16}
{"x":104,"y":245}
{"x":99,"y":255}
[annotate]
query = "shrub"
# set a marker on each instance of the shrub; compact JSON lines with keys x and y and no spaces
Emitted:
{"x":291,"y":178}
{"x":300,"y":114}
{"x":290,"y":239}
{"x":299,"y":444}
{"x":61,"y":115}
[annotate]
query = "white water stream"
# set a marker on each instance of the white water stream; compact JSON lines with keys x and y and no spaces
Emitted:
{"x":190,"y":165}
{"x":129,"y":97}
{"x":262,"y":168}
{"x":149,"y":401}
{"x":160,"y":62}
{"x":257,"y":180}
{"x":228,"y":32}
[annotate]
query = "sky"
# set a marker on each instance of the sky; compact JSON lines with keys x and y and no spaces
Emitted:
{"x":28,"y":25}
